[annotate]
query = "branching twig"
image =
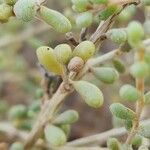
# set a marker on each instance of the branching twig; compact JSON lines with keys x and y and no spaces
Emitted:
{"x":140,"y":102}
{"x":104,"y":26}
{"x":101,"y":138}
{"x":48,"y":110}
{"x":46,"y":114}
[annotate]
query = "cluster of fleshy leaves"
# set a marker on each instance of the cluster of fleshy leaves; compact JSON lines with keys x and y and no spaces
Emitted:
{"x":64,"y":59}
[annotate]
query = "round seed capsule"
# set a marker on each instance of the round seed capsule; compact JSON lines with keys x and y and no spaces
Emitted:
{"x":147,"y":98}
{"x":122,"y":112}
{"x":135,"y":33}
{"x":139,"y":69}
{"x":105,"y":74}
{"x":84,"y":20}
{"x":91,"y":94}
{"x":25,"y":9}
{"x":113,"y":144}
{"x":47,"y":58}
{"x":63,"y":53}
{"x":75,"y":64}
{"x":18,"y":112}
{"x":5,"y":12}
{"x":129,"y":93}
{"x":99,"y":1}
{"x":10,"y":2}
{"x":17,"y":146}
{"x":118,"y":36}
{"x":85,"y":50}
{"x":118,"y":64}
{"x":54,"y":135}
{"x":80,"y":5}
{"x":67,"y":117}
{"x":55,"y":19}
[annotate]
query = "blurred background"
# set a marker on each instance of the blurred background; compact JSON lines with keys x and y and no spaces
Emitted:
{"x":20,"y":75}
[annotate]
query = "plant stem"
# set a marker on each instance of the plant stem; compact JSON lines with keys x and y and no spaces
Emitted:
{"x":98,"y":60}
{"x":140,"y":102}
{"x":46,"y":115}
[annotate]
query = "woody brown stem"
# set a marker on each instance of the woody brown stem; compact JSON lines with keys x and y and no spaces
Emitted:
{"x":140,"y":102}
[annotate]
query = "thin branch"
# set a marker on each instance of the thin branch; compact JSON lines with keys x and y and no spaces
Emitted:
{"x":101,"y":138}
{"x":140,"y":103}
{"x":46,"y":115}
{"x":98,"y":60}
{"x":11,"y":132}
{"x":70,"y":37}
{"x":83,"y":34}
{"x":106,"y":25}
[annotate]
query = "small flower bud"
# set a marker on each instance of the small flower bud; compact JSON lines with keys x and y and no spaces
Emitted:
{"x":67,"y":117}
{"x":75,"y":64}
{"x":90,"y":93}
{"x":54,"y":135}
{"x":54,"y":18}
{"x":129,"y":93}
{"x":85,"y":50}
{"x":84,"y":20}
{"x":121,"y":111}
